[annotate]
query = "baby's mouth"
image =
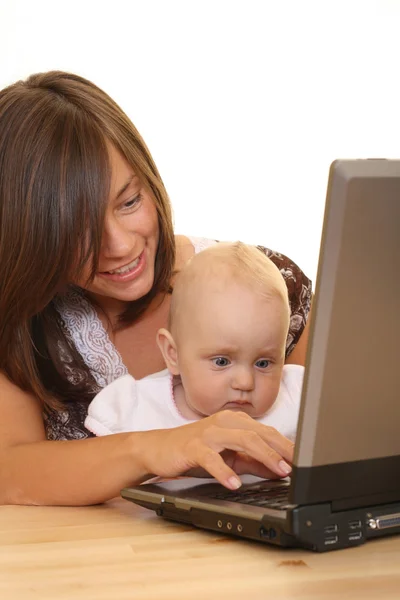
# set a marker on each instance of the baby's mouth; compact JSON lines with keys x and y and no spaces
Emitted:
{"x":238,"y":404}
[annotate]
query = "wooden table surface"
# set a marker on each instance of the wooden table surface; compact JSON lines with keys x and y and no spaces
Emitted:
{"x":119,"y":550}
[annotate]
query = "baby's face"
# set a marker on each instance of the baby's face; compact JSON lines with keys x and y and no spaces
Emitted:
{"x":231,"y":352}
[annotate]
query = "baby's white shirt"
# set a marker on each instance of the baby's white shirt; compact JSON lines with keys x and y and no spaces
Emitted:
{"x":129,"y":404}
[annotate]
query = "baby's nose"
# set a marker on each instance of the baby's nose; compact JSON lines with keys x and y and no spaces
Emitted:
{"x":243,"y":379}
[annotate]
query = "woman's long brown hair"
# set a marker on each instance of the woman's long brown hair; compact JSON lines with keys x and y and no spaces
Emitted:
{"x":54,"y":186}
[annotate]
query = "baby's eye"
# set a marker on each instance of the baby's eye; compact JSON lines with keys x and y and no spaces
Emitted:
{"x":220,"y":361}
{"x":263,"y":363}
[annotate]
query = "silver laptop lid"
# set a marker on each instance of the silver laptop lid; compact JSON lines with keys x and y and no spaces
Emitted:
{"x":350,"y":410}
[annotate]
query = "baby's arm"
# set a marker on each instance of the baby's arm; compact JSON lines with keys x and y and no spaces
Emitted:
{"x":114,"y":409}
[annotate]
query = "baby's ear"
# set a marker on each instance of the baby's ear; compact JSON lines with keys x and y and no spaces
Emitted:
{"x":167,"y":345}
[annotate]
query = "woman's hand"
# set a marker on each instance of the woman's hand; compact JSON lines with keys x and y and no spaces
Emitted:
{"x":223,"y":445}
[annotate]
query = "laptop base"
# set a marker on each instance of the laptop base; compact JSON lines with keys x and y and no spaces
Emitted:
{"x":313,"y":527}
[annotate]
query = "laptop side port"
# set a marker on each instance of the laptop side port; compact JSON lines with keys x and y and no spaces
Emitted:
{"x":385,"y":521}
{"x":331,"y":540}
{"x":268,"y":533}
{"x":354,"y":536}
{"x":328,"y":529}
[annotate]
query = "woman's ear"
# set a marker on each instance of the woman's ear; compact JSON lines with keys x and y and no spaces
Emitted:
{"x":167,"y":345}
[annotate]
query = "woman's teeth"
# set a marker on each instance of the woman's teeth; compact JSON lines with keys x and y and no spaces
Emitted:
{"x":127,"y":268}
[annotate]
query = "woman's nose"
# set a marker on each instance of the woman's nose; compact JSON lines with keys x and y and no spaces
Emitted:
{"x":243,"y":379}
{"x":117,"y":240}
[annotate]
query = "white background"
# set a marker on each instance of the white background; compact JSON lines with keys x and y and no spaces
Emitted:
{"x":243,"y":104}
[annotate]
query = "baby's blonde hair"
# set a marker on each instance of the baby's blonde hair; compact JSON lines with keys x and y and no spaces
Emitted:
{"x":223,"y":263}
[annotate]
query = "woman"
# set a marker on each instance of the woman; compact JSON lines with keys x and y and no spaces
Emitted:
{"x":87,"y":256}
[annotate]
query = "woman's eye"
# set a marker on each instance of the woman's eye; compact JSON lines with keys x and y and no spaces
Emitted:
{"x":263,"y":363}
{"x":220,"y":361}
{"x":133,"y":201}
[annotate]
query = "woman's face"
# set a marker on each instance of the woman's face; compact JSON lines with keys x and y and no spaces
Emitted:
{"x":130,"y":239}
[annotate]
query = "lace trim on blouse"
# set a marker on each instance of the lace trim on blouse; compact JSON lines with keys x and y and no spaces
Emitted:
{"x":90,"y":338}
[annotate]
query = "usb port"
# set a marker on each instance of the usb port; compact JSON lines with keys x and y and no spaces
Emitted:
{"x":333,"y":539}
{"x":353,"y":537}
{"x":331,"y":528}
{"x":355,"y":524}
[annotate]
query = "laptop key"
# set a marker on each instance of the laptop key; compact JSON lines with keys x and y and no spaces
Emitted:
{"x":276,"y":498}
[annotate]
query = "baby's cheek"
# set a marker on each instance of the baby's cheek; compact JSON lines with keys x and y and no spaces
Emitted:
{"x":270,"y":392}
{"x":208,"y":401}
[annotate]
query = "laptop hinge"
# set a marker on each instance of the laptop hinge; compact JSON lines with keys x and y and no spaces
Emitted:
{"x":348,"y":485}
{"x":363,"y":501}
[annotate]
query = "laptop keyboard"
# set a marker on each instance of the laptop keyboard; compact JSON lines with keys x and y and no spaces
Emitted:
{"x":274,"y":497}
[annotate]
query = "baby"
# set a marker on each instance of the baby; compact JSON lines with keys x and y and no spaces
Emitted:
{"x":224,"y":349}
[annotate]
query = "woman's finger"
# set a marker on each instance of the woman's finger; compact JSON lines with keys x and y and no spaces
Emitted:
{"x":237,"y":420}
{"x":241,"y":463}
{"x":213,"y":463}
{"x":249,"y":442}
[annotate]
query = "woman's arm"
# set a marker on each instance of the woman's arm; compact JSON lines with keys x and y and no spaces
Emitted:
{"x":34,"y":470}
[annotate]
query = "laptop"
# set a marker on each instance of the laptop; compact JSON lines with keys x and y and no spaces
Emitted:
{"x":345,"y":484}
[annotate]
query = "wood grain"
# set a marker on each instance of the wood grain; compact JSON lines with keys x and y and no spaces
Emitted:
{"x":121,"y":551}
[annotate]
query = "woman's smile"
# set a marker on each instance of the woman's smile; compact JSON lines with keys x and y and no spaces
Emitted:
{"x":128,"y":272}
